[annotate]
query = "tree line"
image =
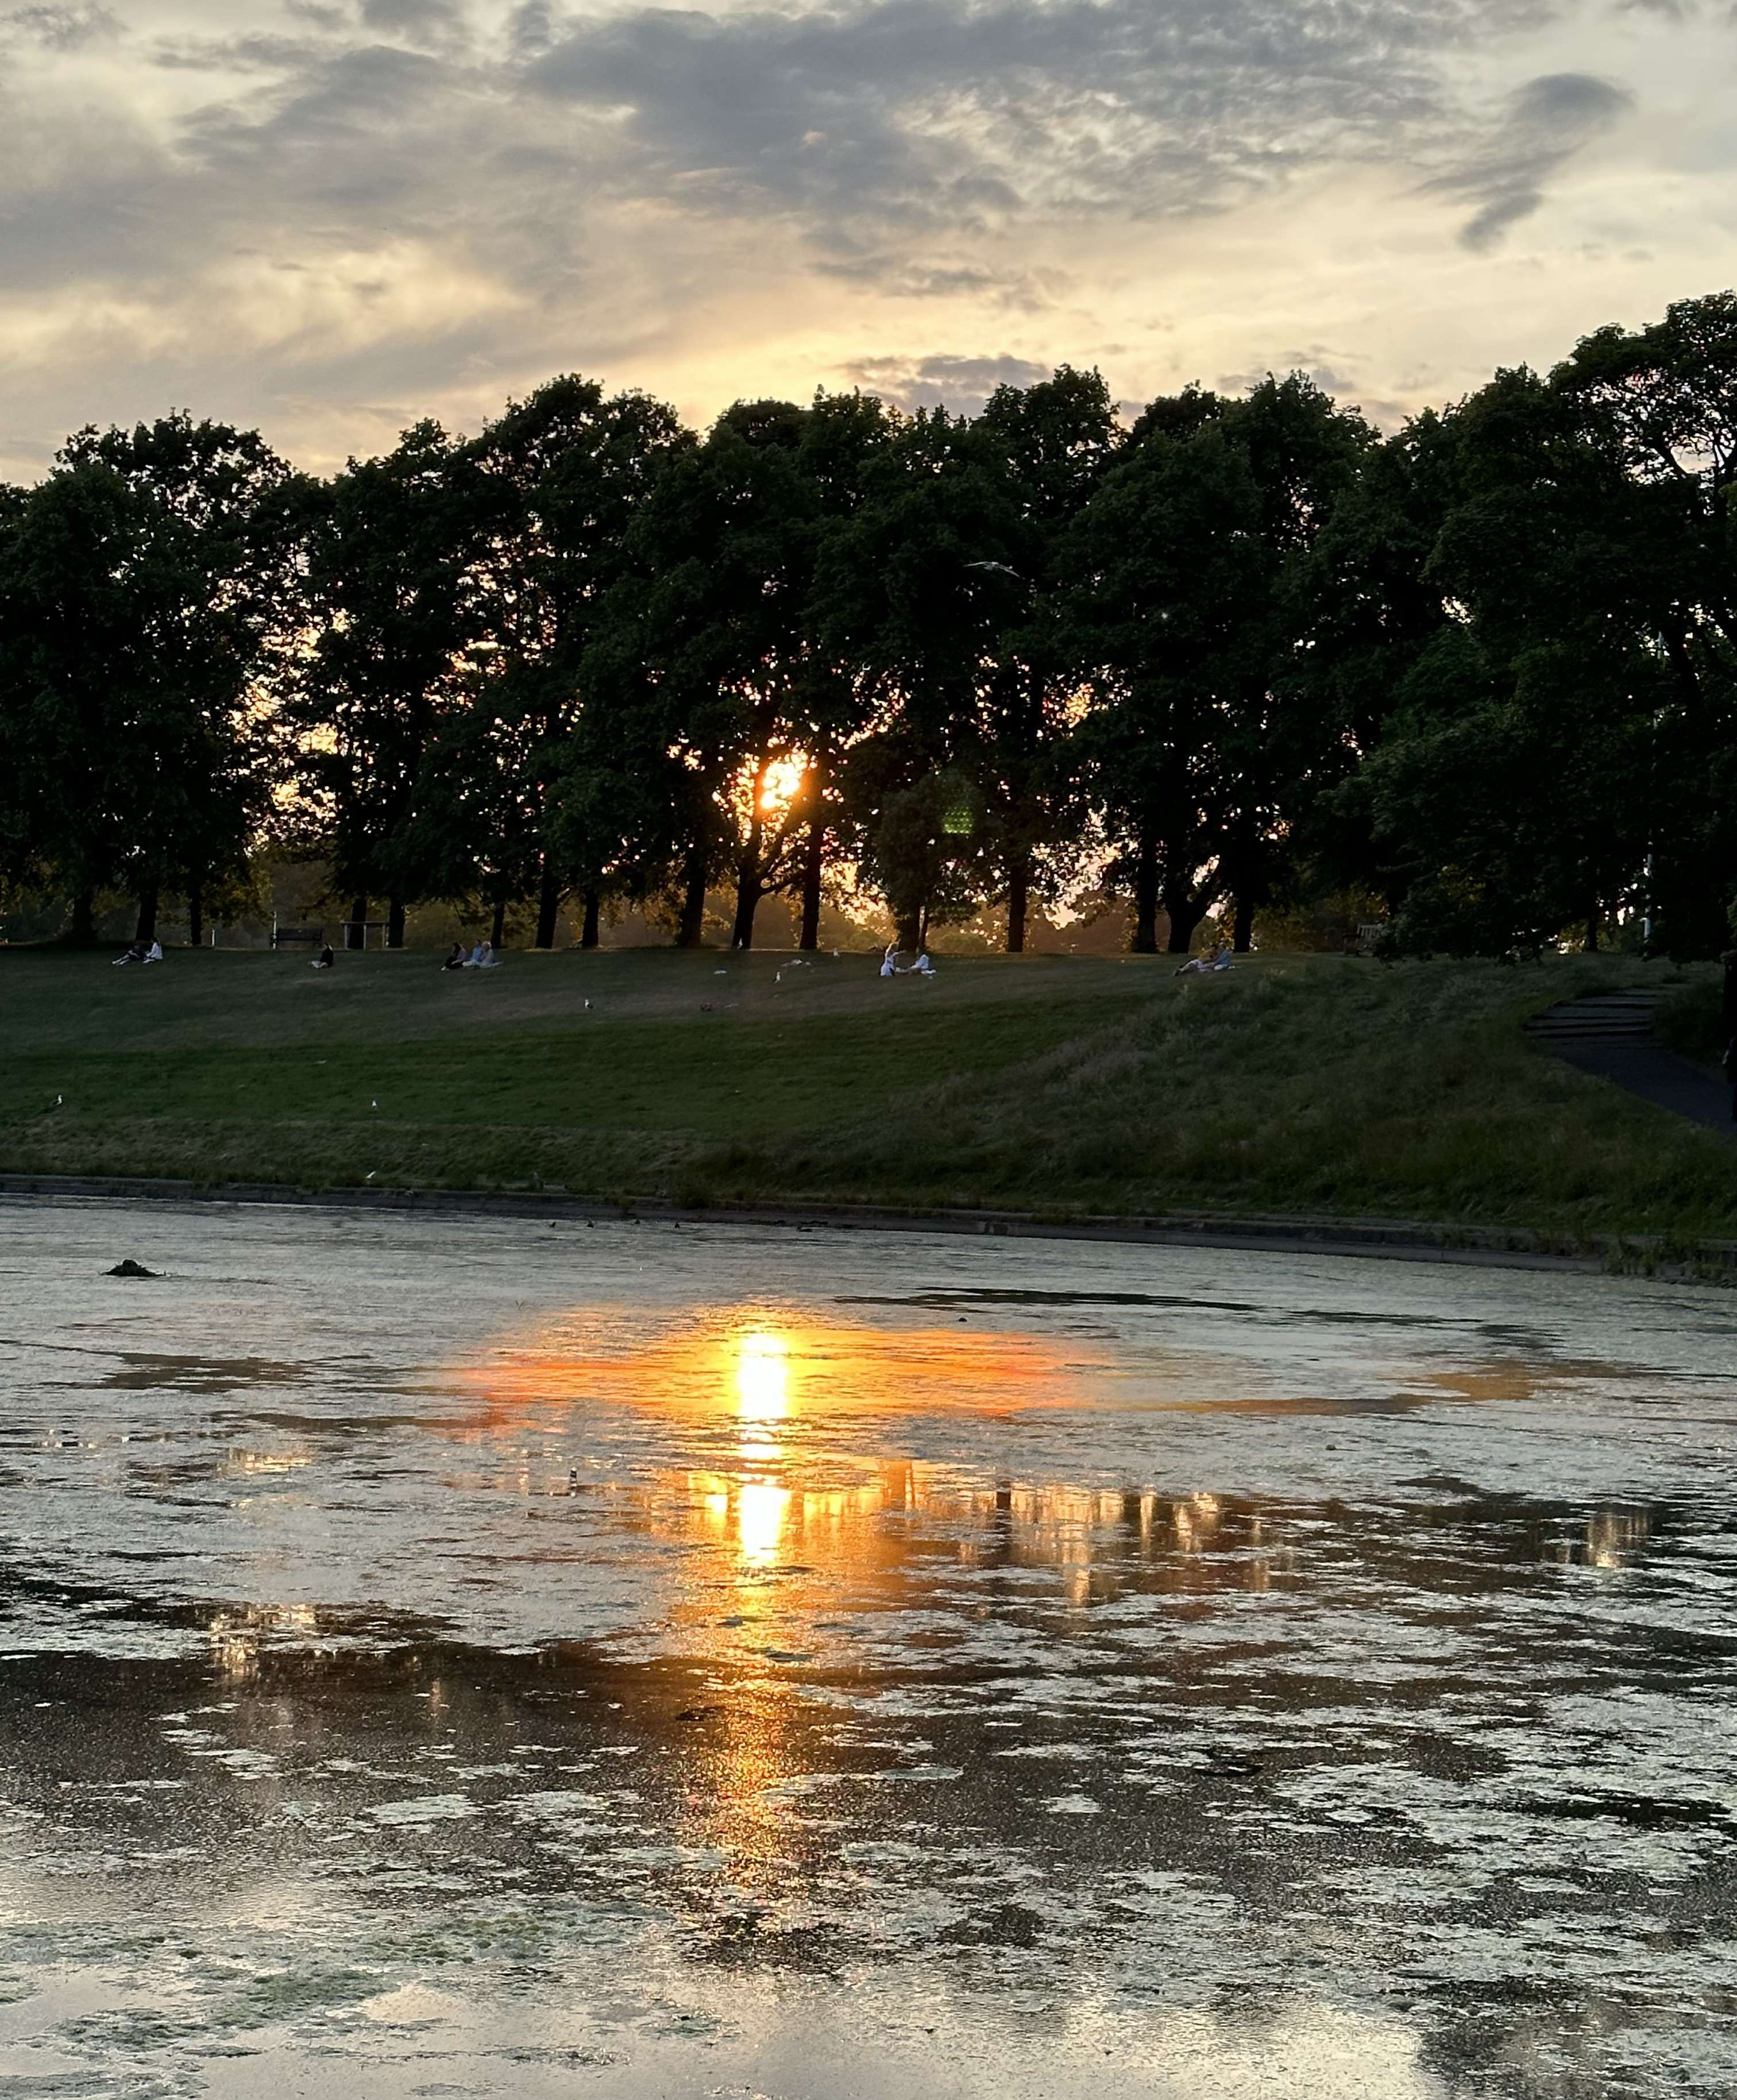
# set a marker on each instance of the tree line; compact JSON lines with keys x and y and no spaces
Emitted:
{"x":1234,"y":656}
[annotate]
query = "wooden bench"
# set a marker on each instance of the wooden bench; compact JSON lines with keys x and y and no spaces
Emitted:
{"x":297,"y":937}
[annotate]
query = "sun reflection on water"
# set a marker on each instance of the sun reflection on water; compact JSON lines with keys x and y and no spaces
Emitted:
{"x":762,"y":1376}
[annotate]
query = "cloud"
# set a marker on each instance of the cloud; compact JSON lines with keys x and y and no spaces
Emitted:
{"x":425,"y":21}
{"x":959,"y":384}
{"x":921,"y":113}
{"x":61,"y":28}
{"x":426,"y":204}
{"x":1334,"y":373}
{"x":1548,"y":121}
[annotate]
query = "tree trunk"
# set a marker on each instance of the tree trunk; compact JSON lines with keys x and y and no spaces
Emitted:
{"x":394,"y":922}
{"x":548,"y":904}
{"x":1242,"y":934}
{"x":1591,"y":945}
{"x":749,"y":889}
{"x":1018,"y":899}
{"x":356,"y":933}
{"x":588,"y":938}
{"x":692,"y":927}
{"x":748,"y":894}
{"x":196,"y":916}
{"x":146,"y":929}
{"x":813,"y":861}
{"x":83,"y":931}
{"x":497,"y":930}
{"x":1145,"y":942}
{"x":1186,"y":912}
{"x":910,"y":929}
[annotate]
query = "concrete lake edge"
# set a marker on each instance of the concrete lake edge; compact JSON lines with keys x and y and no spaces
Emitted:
{"x":1708,"y":1261}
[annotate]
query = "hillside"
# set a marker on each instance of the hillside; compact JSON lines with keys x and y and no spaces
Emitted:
{"x":1295,"y":1084}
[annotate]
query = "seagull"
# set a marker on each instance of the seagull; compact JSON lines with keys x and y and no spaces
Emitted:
{"x":374,"y":1105}
{"x":1000,"y":568}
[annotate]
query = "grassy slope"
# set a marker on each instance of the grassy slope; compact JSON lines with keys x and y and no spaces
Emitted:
{"x":1294,"y":1084}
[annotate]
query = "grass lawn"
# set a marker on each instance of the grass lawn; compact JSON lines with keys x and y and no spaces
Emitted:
{"x":1295,"y":1085}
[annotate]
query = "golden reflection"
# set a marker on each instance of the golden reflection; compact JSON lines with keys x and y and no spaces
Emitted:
{"x":762,"y":1376}
{"x":761,"y":1507}
{"x":764,"y":1367}
{"x":237,"y":1637}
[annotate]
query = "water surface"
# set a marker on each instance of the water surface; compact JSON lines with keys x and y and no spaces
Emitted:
{"x":459,"y":1656}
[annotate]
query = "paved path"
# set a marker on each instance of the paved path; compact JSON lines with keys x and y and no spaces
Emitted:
{"x":1611,"y":1037}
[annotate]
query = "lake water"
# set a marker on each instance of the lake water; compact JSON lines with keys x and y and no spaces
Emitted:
{"x":459,"y":1656}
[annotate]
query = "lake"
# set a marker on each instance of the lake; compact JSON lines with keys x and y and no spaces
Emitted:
{"x":452,"y":1655}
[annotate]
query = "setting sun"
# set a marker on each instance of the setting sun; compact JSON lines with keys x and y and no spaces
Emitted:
{"x":780,"y":783}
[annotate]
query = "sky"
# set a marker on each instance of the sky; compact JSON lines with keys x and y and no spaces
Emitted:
{"x":330,"y":217}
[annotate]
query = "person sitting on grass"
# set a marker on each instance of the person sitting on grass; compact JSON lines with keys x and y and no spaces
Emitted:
{"x":1215,"y":958}
{"x":889,"y":961}
{"x":483,"y":957}
{"x":323,"y":960}
{"x":923,"y":967}
{"x":153,"y":954}
{"x":135,"y":954}
{"x":455,"y":958}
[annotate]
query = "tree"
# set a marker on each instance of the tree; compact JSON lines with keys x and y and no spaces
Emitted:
{"x":714,"y":659}
{"x":1662,"y":401}
{"x":1164,"y":568}
{"x":393,"y":550}
{"x":562,"y":475}
{"x":1515,"y":782}
{"x":939,"y":595}
{"x":146,"y":592}
{"x":1187,"y":606}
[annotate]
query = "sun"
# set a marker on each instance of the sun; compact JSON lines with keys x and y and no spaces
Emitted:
{"x":780,"y":783}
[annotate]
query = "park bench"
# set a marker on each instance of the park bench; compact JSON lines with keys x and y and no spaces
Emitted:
{"x":297,"y":937}
{"x":1368,"y":932}
{"x":354,"y":933}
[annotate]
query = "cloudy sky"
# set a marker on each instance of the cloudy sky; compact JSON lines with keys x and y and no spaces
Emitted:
{"x":329,"y":217}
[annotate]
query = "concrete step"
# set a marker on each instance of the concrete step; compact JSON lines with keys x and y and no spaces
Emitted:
{"x":1601,"y":1017}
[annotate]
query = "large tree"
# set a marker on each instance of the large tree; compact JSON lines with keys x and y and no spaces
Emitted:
{"x":562,"y":475}
{"x":1515,"y":785}
{"x":1188,"y":609}
{"x":147,"y":593}
{"x":1663,"y":401}
{"x":939,"y":595}
{"x":714,"y":658}
{"x":393,"y":553}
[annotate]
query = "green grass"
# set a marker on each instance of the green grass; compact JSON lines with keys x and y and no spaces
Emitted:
{"x":1295,"y":1085}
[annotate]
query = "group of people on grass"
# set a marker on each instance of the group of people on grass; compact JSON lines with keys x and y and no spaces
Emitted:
{"x":1215,"y":958}
{"x":483,"y":957}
